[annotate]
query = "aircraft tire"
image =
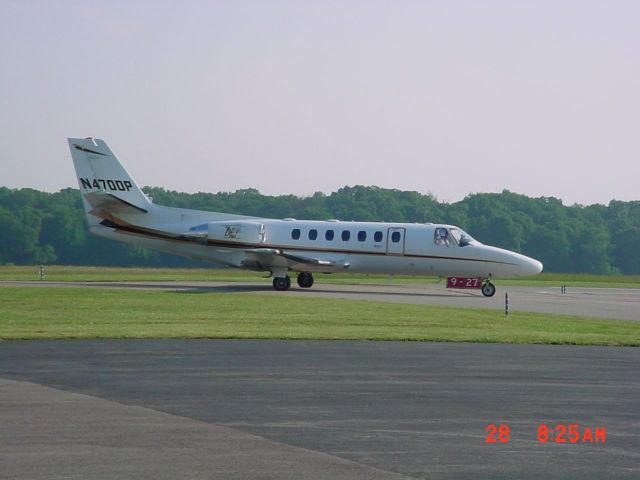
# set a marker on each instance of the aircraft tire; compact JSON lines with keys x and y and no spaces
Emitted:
{"x":488,"y":289}
{"x":305,"y":280}
{"x":281,"y":283}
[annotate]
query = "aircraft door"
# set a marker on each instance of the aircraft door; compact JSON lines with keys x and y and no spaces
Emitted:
{"x":395,"y":241}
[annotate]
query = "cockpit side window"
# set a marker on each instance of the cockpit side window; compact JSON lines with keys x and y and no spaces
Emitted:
{"x":442,"y":238}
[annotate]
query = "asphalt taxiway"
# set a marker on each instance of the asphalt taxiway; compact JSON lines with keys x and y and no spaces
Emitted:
{"x":612,"y":303}
{"x":303,"y":409}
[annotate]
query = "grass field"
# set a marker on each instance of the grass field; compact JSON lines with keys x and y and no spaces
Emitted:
{"x":49,"y":312}
{"x":104,"y":274}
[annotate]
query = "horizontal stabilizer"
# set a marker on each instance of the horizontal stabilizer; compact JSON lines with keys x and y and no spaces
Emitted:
{"x":105,"y":205}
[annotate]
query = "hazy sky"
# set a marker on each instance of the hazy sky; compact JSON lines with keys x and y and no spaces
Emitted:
{"x":448,"y":97}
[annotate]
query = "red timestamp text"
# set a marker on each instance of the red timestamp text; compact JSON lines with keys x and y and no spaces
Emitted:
{"x":560,"y":433}
{"x":570,"y":433}
{"x":500,"y":433}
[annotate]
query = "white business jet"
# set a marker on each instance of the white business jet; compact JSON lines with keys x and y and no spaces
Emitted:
{"x":116,"y":208}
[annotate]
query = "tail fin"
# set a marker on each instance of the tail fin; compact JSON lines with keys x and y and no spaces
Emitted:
{"x":105,"y":185}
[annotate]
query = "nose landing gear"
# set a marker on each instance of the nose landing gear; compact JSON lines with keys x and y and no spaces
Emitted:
{"x":488,"y":289}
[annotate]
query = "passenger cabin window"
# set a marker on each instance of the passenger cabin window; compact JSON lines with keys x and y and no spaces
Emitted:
{"x":329,"y":234}
{"x":362,"y":236}
{"x":313,"y":234}
{"x":395,"y":237}
{"x":377,"y":237}
{"x":346,"y":235}
{"x":295,"y":233}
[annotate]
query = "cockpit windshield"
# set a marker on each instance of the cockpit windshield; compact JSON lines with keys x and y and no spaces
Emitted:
{"x":449,"y":237}
{"x":461,"y":237}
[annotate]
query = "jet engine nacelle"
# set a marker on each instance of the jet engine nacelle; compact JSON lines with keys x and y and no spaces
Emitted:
{"x":236,"y":231}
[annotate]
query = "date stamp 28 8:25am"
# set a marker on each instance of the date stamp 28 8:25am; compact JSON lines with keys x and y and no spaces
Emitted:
{"x":560,"y":433}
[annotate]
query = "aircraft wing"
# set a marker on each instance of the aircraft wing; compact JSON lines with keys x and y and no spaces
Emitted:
{"x":273,"y":257}
{"x":104,"y":205}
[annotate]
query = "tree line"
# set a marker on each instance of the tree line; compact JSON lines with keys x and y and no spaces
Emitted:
{"x":40,"y":227}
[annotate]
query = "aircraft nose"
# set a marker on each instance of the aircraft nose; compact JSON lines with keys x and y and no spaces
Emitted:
{"x":530,"y":266}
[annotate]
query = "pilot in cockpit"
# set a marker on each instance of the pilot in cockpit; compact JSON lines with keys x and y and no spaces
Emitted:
{"x":442,"y":237}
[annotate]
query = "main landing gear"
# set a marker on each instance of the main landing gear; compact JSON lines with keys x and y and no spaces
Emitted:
{"x":305,"y":280}
{"x":281,"y":283}
{"x":488,"y":289}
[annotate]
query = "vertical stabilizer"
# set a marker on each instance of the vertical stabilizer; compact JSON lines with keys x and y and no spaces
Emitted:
{"x":100,"y":173}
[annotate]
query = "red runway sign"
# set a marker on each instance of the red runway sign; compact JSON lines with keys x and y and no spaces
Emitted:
{"x":464,"y":282}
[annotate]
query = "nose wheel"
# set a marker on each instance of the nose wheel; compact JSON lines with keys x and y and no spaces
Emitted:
{"x":488,"y":289}
{"x":281,"y":283}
